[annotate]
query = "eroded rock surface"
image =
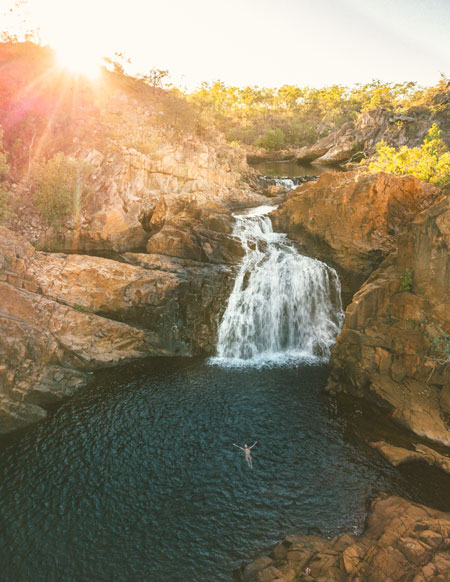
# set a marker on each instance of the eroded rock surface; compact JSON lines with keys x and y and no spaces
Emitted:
{"x":352,"y":220}
{"x":126,"y":188}
{"x":395,"y":344}
{"x":398,"y":455}
{"x":402,"y":541}
{"x":62,"y":316}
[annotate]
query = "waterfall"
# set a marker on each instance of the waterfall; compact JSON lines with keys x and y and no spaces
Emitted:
{"x":284,"y":307}
{"x":286,"y":182}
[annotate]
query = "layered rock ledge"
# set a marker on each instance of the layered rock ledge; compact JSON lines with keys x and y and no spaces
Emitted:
{"x":63,"y":316}
{"x":422,"y":454}
{"x":389,"y":237}
{"x":402,"y":541}
{"x":352,"y":220}
{"x":394,"y":347}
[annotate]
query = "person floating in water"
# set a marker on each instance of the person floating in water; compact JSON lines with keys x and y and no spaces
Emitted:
{"x":248,"y":455}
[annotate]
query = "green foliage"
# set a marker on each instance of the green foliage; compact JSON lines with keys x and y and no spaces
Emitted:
{"x":407,"y":280}
{"x":273,"y":139}
{"x":59,"y":187}
{"x":429,"y":163}
{"x":301,"y":114}
{"x":4,"y":187}
{"x":439,"y":344}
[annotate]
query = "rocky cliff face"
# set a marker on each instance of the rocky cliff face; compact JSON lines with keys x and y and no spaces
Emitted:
{"x":162,"y":200}
{"x":352,"y":220}
{"x":394,"y":349}
{"x":401,"y":541}
{"x":358,"y":138}
{"x":126,"y":186}
{"x":391,"y":235}
{"x":62,"y":316}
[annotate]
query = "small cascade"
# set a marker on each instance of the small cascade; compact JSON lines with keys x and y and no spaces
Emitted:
{"x":284,"y":307}
{"x":289,"y":183}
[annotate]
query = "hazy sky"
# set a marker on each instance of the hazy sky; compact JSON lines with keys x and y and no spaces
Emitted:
{"x":256,"y":42}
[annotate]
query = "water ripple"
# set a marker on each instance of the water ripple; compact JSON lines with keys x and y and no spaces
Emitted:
{"x":136,"y":477}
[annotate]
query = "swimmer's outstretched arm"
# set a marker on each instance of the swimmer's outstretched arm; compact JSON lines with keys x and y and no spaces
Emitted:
{"x":238,"y":446}
{"x":255,"y":443}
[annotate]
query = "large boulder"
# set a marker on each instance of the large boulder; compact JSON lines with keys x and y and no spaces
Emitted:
{"x":193,"y":228}
{"x":352,"y":220}
{"x":394,"y":349}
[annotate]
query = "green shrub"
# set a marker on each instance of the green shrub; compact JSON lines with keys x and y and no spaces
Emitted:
{"x":439,"y":348}
{"x":429,"y":163}
{"x":406,"y":281}
{"x":59,"y":187}
{"x":4,"y":187}
{"x":273,"y":139}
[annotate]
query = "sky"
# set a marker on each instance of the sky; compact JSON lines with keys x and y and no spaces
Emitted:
{"x":251,"y":42}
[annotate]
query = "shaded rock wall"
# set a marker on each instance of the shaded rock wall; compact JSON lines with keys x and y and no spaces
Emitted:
{"x":395,"y":345}
{"x":352,"y":220}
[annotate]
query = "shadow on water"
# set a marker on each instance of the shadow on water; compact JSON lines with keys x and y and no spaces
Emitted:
{"x":136,"y":477}
{"x":292,"y":169}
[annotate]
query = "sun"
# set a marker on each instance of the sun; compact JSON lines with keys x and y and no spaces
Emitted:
{"x":77,"y":59}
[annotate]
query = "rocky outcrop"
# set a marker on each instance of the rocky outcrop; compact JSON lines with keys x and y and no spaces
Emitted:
{"x":163,"y":199}
{"x":395,"y":345}
{"x":352,"y":220}
{"x":402,"y":541}
{"x":260,"y":154}
{"x":356,"y":139}
{"x":193,"y":228}
{"x":127,"y":197}
{"x":127,"y":186}
{"x":62,"y":316}
{"x":398,"y":455}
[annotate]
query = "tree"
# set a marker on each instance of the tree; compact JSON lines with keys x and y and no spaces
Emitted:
{"x":429,"y":163}
{"x":60,"y":187}
{"x":155,"y":77}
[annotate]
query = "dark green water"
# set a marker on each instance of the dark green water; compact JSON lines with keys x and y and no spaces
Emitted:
{"x":291,"y":169}
{"x":136,"y":479}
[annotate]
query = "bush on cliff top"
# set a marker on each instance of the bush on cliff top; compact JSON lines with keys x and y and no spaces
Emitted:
{"x":273,"y":139}
{"x":4,"y":188}
{"x":59,"y":187}
{"x":429,"y":163}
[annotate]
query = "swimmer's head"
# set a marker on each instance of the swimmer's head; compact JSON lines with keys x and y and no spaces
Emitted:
{"x":245,"y":446}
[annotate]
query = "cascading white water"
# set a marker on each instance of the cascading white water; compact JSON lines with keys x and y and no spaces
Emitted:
{"x":284,"y":306}
{"x":287,"y":183}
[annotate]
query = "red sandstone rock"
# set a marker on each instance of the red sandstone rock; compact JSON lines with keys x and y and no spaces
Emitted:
{"x":393,"y":349}
{"x":402,"y":541}
{"x":352,"y":220}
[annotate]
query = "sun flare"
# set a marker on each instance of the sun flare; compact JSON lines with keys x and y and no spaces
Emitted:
{"x":78,"y":60}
